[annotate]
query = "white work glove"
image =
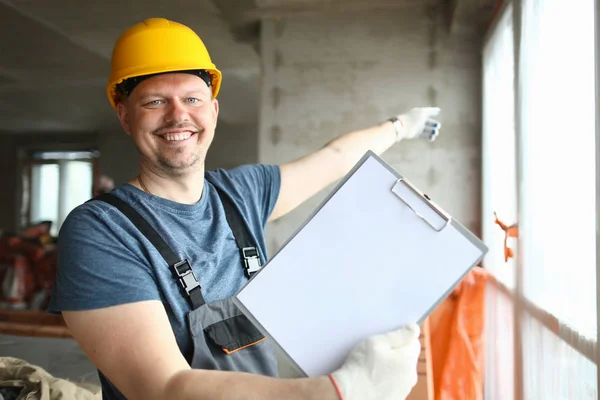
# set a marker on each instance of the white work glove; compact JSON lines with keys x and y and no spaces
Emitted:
{"x":417,"y":123}
{"x":380,"y":368}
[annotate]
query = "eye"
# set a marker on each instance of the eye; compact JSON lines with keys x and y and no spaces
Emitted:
{"x":153,"y":103}
{"x":193,"y":100}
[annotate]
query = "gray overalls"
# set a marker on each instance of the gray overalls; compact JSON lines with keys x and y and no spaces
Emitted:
{"x":223,"y":337}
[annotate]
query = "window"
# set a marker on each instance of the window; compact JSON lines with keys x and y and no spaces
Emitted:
{"x":499,"y":197}
{"x":558,"y":162}
{"x":549,"y":301}
{"x":54,"y":184}
{"x":557,"y":196}
{"x":499,"y":188}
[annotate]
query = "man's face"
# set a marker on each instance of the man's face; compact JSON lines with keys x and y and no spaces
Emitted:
{"x":172,"y":119}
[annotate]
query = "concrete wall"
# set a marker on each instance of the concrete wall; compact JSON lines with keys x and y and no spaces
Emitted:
{"x":8,"y":183}
{"x":234,"y":144}
{"x":326,"y":75}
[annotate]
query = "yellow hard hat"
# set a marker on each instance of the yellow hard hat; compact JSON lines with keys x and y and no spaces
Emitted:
{"x":157,"y":45}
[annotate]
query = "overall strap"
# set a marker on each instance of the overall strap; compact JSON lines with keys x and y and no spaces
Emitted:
{"x":249,"y":252}
{"x":181,"y":268}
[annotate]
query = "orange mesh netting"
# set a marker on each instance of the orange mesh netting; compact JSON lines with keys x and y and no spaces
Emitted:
{"x":457,"y":340}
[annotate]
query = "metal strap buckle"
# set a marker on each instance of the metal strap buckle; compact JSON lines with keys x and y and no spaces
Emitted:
{"x":251,"y":260}
{"x":187,"y":279}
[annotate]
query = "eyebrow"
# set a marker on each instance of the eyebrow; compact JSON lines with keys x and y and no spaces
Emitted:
{"x":196,"y":91}
{"x":152,"y":94}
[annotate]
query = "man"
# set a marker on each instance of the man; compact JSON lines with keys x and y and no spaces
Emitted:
{"x":126,"y":306}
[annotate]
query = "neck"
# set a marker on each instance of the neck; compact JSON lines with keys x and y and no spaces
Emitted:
{"x":185,"y":189}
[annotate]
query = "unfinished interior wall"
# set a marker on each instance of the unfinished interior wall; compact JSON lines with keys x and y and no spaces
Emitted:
{"x":8,"y":183}
{"x":328,"y":74}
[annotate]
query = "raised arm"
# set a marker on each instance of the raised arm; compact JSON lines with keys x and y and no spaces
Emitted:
{"x":134,"y":346}
{"x":304,"y":177}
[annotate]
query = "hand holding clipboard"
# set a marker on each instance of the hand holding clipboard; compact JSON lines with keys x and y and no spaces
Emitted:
{"x":381,"y":367}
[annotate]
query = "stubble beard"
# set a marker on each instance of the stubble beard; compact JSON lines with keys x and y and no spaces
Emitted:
{"x":176,"y":168}
{"x":173,"y":166}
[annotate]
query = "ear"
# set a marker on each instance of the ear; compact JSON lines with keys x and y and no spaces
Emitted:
{"x":215,"y":104}
{"x":123,"y":115}
{"x":216,"y":108}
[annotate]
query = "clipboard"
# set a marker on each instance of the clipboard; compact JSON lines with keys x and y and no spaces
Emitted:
{"x":377,"y":254}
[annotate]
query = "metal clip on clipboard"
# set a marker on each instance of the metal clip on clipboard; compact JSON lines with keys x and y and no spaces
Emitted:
{"x":412,"y":197}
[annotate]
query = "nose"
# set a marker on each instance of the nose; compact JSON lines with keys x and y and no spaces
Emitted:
{"x":176,"y":112}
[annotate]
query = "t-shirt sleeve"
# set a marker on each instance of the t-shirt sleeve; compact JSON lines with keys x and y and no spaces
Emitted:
{"x":258,"y":186}
{"x":96,"y":268}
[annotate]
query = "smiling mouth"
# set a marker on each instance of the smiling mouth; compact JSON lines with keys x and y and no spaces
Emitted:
{"x":177,"y":136}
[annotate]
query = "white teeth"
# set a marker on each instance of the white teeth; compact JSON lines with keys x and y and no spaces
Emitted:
{"x":177,"y":137}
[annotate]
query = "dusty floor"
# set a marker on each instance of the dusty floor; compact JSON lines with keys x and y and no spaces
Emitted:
{"x":60,"y":357}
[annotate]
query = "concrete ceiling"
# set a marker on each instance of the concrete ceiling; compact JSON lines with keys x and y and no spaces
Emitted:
{"x":56,"y":58}
{"x":55,"y":55}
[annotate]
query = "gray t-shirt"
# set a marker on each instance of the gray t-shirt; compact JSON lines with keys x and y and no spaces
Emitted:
{"x":104,"y":260}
